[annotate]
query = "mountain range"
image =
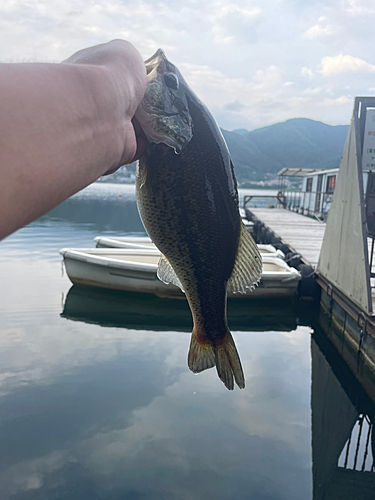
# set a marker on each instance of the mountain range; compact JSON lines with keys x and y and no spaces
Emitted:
{"x":296,"y":143}
{"x":258,"y":155}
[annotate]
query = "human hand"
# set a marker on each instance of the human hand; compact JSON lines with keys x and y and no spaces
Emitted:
{"x":125,"y":75}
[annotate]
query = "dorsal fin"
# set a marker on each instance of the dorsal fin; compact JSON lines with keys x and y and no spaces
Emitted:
{"x":247,"y":269}
{"x":166,"y":273}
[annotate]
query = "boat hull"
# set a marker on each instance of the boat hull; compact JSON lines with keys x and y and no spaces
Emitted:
{"x":103,"y":268}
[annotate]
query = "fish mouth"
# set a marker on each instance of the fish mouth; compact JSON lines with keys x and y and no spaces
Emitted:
{"x":154,"y":61}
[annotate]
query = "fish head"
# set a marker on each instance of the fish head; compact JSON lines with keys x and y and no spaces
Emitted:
{"x":163,"y":114}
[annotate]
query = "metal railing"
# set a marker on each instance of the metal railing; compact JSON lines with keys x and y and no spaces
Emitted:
{"x":280,"y":198}
{"x":310,"y":203}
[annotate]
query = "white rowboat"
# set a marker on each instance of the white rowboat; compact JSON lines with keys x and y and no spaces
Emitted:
{"x":134,"y":270}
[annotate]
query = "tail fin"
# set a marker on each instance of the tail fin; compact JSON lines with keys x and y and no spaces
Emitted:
{"x":204,"y":355}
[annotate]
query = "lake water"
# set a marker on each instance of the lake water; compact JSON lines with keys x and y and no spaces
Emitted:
{"x":97,"y":401}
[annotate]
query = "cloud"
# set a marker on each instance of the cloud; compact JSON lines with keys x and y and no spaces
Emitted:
{"x":226,"y":10}
{"x":231,"y":21}
{"x":340,"y":101}
{"x":307,"y":73}
{"x":223,"y":94}
{"x":312,"y":91}
{"x":345,"y":64}
{"x":360,"y":7}
{"x":319,"y":30}
{"x":232,"y":46}
{"x":266,"y":97}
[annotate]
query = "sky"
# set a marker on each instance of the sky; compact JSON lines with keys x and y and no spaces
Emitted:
{"x":253,"y":63}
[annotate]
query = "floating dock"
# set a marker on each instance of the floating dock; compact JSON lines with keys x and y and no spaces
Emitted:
{"x":303,"y":235}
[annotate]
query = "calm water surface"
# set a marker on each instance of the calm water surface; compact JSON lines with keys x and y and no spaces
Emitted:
{"x":97,"y":401}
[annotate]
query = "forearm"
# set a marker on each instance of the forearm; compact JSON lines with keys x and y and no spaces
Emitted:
{"x":62,"y":126}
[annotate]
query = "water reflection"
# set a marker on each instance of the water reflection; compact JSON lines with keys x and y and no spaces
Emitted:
{"x":124,"y":309}
{"x":342,"y":429}
{"x":358,"y":453}
{"x":118,"y":415}
{"x":113,"y":308}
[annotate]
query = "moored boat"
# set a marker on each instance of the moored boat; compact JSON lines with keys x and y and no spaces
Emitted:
{"x":145,"y":242}
{"x":134,"y":270}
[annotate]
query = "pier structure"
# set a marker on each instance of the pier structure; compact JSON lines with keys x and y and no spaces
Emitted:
{"x":303,"y":235}
{"x":341,"y":250}
{"x":345,"y":269}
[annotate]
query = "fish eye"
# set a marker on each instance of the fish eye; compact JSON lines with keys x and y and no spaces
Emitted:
{"x":171,"y":81}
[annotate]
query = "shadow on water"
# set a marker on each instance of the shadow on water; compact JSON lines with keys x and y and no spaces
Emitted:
{"x":141,"y":311}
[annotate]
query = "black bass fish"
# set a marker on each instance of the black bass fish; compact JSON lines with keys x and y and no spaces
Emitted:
{"x":188,"y":202}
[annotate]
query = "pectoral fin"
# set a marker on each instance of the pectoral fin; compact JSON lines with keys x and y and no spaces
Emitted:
{"x":247,"y":269}
{"x":166,"y":273}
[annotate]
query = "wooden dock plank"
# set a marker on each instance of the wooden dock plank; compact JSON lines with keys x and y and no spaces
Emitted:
{"x":303,"y":234}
